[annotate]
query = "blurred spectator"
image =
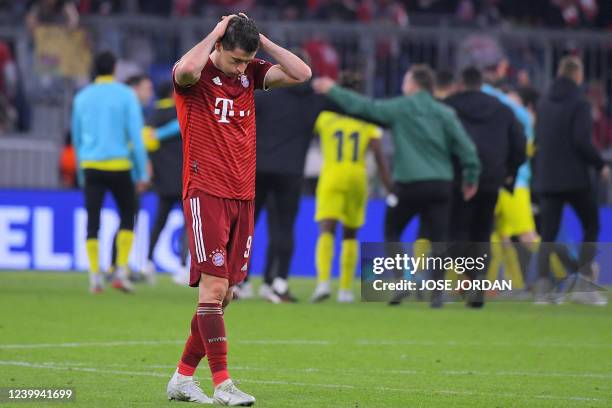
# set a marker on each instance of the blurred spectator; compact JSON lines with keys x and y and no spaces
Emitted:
{"x":323,"y":56}
{"x":54,"y":12}
{"x":8,"y":88}
{"x":143,"y":87}
{"x":337,"y":10}
{"x":100,"y":7}
{"x":383,"y":11}
{"x":602,"y":124}
{"x":68,"y":164}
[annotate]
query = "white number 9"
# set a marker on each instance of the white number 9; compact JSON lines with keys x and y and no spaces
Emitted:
{"x":248,"y":246}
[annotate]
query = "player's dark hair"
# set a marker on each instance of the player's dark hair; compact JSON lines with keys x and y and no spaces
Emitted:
{"x":104,"y":63}
{"x":165,"y":89}
{"x":444,"y":79}
{"x":471,"y":78}
{"x":241,"y":33}
{"x":135,"y":80}
{"x":423,"y":76}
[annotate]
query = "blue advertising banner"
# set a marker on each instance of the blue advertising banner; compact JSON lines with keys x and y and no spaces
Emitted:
{"x":45,"y":229}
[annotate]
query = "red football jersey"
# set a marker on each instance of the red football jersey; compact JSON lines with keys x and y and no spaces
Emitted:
{"x":217,"y":120}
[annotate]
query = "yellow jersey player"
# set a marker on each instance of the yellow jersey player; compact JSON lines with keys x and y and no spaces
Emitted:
{"x":342,"y":194}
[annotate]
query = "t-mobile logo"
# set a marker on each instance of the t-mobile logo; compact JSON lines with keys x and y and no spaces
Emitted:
{"x":227,"y":109}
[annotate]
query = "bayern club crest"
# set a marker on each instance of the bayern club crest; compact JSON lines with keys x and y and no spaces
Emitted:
{"x":244,"y":80}
{"x":217,"y":258}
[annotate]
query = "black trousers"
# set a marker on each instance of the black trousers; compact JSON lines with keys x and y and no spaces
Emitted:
{"x":471,"y":225}
{"x":165,"y":203}
{"x":119,"y":183}
{"x":584,"y":204}
{"x":431,"y":201}
{"x":280,"y":194}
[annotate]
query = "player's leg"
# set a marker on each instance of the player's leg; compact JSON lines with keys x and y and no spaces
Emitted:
{"x":324,"y":256}
{"x":353,"y":219}
{"x":207,"y":226}
{"x":329,"y":208}
{"x":164,"y":206}
{"x":349,"y":253}
{"x":123,"y":191}
{"x":285,"y":199}
{"x":551,"y":207}
{"x":216,"y":292}
{"x":94,"y":190}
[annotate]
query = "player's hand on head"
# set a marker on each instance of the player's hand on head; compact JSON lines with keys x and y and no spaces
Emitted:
{"x":222,"y":25}
{"x":243,"y":15}
{"x":322,"y":85}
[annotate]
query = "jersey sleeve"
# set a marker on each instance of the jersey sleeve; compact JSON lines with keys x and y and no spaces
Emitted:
{"x":260,"y":69}
{"x":179,"y":89}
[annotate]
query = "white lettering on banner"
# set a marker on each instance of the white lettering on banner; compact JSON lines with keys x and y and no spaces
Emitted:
{"x":42,"y":248}
{"x":81,"y":262}
{"x":164,"y":254}
{"x":13,"y":238}
{"x":140,"y":247}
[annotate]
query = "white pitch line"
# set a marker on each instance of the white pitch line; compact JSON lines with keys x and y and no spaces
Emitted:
{"x":52,"y":366}
{"x":160,"y":342}
{"x":308,"y":342}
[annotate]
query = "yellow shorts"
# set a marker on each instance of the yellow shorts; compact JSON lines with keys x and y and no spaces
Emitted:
{"x":513,"y":214}
{"x":342,"y":201}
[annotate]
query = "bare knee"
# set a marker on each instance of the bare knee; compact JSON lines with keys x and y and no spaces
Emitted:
{"x":212,"y":289}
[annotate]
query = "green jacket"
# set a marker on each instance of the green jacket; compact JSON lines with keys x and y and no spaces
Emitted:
{"x":426,"y":133}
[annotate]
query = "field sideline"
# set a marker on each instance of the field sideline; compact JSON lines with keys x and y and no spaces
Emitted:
{"x":119,"y":350}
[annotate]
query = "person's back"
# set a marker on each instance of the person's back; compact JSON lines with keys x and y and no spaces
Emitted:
{"x":106,"y":114}
{"x":496,"y":134}
{"x":564,"y":151}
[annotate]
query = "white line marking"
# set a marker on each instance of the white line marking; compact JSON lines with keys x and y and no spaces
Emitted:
{"x":314,"y":342}
{"x":52,"y":366}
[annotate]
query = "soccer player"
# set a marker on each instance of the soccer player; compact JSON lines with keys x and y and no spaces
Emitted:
{"x":342,"y":194}
{"x":106,"y":119}
{"x":214,"y":84}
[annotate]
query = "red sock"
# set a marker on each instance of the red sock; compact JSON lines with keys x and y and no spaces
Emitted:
{"x":212,"y":332}
{"x":194,"y":350}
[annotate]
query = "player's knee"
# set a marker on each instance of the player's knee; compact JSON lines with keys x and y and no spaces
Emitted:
{"x":212,"y":289}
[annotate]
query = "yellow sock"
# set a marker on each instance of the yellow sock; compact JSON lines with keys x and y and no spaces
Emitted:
{"x":348,"y":263}
{"x":512,"y":267}
{"x":324,"y":256}
{"x":124,"y":245}
{"x":497,"y":255}
{"x":92,"y":247}
{"x":556,"y":266}
{"x":421,"y":247}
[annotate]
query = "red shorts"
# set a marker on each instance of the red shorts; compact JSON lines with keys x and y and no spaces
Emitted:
{"x":220,"y":232}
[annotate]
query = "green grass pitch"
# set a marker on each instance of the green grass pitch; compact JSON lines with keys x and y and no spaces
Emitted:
{"x":119,"y":350}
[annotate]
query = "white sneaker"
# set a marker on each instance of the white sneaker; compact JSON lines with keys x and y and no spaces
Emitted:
{"x":121,"y":281}
{"x":227,"y":393}
{"x":266,"y":292}
{"x":245,"y":291}
{"x":346,"y":296}
{"x":586,"y":292}
{"x":95,"y":283}
{"x":148,"y":272}
{"x":183,"y":388}
{"x":322,"y":292}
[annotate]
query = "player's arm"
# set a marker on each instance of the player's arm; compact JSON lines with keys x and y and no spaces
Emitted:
{"x":289,"y":70}
{"x":190,"y":66}
{"x":379,"y":112}
{"x":383,"y":170}
{"x":75,"y":134}
{"x":134,"y":129}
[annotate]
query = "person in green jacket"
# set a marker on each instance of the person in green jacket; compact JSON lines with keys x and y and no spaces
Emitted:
{"x":427,"y":135}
